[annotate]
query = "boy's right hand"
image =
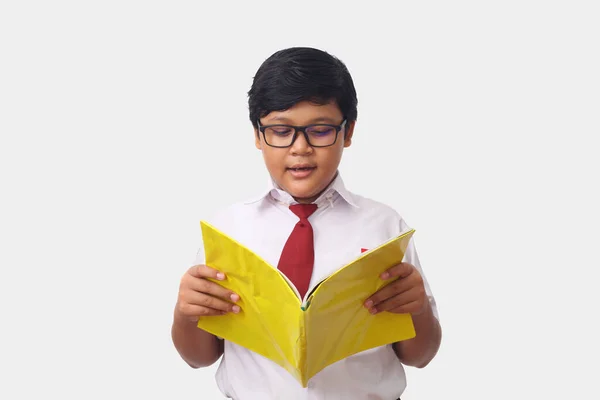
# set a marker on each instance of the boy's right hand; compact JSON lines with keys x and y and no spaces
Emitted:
{"x":199,"y":297}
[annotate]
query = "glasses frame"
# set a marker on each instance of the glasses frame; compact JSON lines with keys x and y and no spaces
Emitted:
{"x":338,"y":129}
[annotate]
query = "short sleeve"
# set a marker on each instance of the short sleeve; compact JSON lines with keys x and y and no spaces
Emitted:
{"x":412,"y":257}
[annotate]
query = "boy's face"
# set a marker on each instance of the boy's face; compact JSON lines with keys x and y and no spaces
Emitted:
{"x":319,"y":164}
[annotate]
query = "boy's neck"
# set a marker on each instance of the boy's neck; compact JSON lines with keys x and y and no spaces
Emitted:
{"x":308,"y":200}
{"x":312,"y":199}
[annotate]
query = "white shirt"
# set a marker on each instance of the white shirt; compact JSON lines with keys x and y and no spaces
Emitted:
{"x":343,"y":225}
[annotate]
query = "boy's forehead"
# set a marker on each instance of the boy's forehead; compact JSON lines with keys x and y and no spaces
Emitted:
{"x":306,"y":113}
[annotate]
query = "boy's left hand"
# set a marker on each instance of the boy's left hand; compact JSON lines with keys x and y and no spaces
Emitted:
{"x":404,"y":295}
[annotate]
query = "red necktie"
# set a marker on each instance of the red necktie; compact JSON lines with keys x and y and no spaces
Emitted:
{"x":298,"y":254}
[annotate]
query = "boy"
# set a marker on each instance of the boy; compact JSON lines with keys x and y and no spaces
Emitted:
{"x":303,"y":107}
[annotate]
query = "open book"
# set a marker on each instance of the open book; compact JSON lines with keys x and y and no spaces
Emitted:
{"x":304,"y":335}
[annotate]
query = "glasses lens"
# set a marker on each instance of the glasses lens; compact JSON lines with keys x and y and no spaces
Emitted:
{"x":321,"y":135}
{"x":279,"y":135}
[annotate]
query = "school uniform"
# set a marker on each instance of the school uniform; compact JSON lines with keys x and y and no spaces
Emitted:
{"x":344,"y":224}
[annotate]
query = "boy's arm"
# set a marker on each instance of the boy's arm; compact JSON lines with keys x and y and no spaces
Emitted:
{"x":200,"y":298}
{"x":421,"y":349}
{"x":410,"y":294}
{"x":197,"y":347}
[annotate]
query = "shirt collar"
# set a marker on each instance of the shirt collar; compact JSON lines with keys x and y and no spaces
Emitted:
{"x":337,"y":186}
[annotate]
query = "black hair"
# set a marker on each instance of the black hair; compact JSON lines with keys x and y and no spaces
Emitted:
{"x":298,"y":74}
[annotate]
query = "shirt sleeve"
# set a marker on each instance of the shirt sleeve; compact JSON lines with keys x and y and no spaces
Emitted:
{"x":412,"y":257}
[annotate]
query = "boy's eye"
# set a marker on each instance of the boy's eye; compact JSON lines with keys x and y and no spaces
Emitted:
{"x":321,"y":130}
{"x":282,"y":131}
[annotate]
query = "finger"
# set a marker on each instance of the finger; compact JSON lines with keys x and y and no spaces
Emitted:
{"x":213,"y":289}
{"x":400,"y":300}
{"x":193,"y":312}
{"x":390,"y":290}
{"x":204,"y":271}
{"x":401,"y":270}
{"x":206,"y":301}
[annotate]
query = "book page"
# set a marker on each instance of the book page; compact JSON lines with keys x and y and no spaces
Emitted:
{"x":338,"y":325}
{"x":265,"y":298}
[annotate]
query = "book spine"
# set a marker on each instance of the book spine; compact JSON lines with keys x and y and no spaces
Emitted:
{"x":302,"y":350}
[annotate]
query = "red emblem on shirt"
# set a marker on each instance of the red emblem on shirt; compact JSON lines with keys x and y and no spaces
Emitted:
{"x":362,"y":250}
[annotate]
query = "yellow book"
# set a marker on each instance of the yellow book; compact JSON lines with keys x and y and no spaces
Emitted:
{"x":304,"y":336}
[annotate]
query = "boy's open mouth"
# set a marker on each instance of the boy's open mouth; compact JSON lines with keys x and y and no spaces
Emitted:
{"x":301,"y":168}
{"x":301,"y":171}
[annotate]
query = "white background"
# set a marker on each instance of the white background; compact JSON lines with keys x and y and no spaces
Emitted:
{"x":124,"y":123}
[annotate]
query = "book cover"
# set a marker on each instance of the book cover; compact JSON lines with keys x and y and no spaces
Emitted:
{"x":304,"y":336}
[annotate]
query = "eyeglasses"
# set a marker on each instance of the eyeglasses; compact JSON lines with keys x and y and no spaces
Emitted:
{"x":316,"y":135}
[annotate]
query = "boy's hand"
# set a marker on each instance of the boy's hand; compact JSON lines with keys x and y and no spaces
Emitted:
{"x":199,"y":297}
{"x":404,"y":295}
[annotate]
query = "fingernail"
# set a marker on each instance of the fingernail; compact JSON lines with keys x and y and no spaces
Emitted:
{"x":235,"y":309}
{"x":369,"y":303}
{"x":385,"y":275}
{"x":220,"y":276}
{"x":234,"y":297}
{"x":373,"y":310}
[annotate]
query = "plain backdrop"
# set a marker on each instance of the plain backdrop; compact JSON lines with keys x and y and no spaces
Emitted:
{"x":123,"y":123}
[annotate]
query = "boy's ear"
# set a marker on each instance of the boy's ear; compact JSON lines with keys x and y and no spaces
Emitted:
{"x":348,"y":134}
{"x":257,"y":142}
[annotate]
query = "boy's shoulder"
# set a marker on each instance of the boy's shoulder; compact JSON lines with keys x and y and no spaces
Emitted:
{"x":372,"y":209}
{"x":230,"y":211}
{"x":237,"y":212}
{"x":362,"y":204}
{"x":370,"y":204}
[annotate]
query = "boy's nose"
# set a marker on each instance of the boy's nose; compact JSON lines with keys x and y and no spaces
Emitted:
{"x":301,"y":146}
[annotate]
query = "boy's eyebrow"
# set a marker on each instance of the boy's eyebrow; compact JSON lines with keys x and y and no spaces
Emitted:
{"x":284,"y":120}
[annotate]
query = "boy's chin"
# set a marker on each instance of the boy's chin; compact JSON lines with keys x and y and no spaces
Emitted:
{"x":303,"y":194}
